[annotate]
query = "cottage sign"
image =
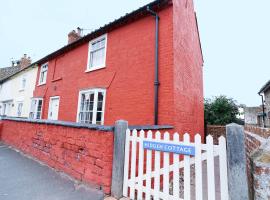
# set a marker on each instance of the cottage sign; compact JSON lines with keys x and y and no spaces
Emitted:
{"x":167,"y":147}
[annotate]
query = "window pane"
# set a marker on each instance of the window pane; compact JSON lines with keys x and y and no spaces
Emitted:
{"x":97,"y":57}
{"x":39,"y":105}
{"x":100,"y":96}
{"x":99,"y":116}
{"x":99,"y":106}
{"x":92,"y":97}
{"x":38,"y":115}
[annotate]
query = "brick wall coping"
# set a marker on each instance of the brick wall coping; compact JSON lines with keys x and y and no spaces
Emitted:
{"x":88,"y":126}
{"x":61,"y":123}
{"x":256,"y":126}
{"x":150,"y":127}
{"x":218,"y":126}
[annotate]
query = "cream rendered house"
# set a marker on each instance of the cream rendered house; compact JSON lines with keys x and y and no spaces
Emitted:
{"x":16,"y":92}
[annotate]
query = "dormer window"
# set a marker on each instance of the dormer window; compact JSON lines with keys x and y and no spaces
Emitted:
{"x":43,"y":74}
{"x":97,"y":53}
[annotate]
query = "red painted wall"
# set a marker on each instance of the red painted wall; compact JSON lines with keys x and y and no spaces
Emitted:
{"x":84,"y":154}
{"x":188,"y":78}
{"x":129,"y":73}
{"x":128,"y":76}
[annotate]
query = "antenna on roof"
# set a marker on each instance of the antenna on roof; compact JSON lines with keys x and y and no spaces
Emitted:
{"x":87,"y":30}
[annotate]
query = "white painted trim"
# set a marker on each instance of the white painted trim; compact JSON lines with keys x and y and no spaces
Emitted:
{"x":17,"y":106}
{"x":42,"y":83}
{"x":89,"y":50}
{"x":41,"y":111}
{"x":49,"y":110}
{"x":96,"y":90}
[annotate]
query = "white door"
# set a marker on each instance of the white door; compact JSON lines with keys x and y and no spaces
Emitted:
{"x":53,"y":108}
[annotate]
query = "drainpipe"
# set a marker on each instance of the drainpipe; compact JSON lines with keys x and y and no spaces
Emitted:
{"x":263,"y":110}
{"x":156,"y":82}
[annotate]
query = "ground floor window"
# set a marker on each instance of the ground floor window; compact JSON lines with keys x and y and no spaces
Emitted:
{"x":36,"y":108}
{"x":19,"y":109}
{"x":91,"y":106}
{"x":6,"y":108}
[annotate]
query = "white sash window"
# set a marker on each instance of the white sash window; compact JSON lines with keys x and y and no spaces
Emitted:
{"x":97,"y":53}
{"x":91,"y":106}
{"x":36,"y":108}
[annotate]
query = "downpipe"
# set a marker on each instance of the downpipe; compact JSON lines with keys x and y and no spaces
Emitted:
{"x":156,"y":81}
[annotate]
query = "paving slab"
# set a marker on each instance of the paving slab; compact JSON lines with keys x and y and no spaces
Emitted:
{"x":22,"y":178}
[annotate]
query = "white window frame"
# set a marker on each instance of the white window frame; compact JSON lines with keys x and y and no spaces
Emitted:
{"x":7,"y":106}
{"x":18,"y":103}
{"x":49,"y":110}
{"x":92,"y":68}
{"x":35,"y":111}
{"x":23,"y":81}
{"x":96,"y":90}
{"x":40,"y":82}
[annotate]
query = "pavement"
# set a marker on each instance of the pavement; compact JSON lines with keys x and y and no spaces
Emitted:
{"x":22,"y":178}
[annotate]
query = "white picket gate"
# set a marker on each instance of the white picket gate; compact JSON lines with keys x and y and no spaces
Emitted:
{"x":151,"y":176}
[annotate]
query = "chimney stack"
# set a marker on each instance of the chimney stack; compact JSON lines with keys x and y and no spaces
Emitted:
{"x":25,"y":61}
{"x":73,"y":35}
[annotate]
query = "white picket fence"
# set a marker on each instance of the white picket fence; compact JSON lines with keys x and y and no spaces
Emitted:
{"x":163,"y":168}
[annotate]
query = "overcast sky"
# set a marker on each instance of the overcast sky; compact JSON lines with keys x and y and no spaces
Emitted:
{"x":235,"y":36}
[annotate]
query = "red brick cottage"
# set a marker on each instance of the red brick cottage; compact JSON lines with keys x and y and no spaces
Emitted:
{"x":109,"y":74}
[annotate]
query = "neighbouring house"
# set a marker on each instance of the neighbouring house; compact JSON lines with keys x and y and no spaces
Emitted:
{"x":251,"y":115}
{"x":264,"y":115}
{"x":17,"y":84}
{"x":120,"y":71}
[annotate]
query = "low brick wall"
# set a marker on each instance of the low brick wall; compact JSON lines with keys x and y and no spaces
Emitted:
{"x":216,"y":132}
{"x":255,"y":139}
{"x":84,"y":153}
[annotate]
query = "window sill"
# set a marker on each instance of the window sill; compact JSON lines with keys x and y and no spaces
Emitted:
{"x":40,"y":84}
{"x":94,"y":69}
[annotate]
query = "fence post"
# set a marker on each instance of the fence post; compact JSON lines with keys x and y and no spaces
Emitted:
{"x":118,"y":158}
{"x":236,"y":161}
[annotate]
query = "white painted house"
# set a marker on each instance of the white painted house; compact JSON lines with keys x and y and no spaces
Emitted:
{"x":16,"y":92}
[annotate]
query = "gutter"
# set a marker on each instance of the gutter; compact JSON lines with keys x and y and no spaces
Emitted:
{"x":156,"y":81}
{"x":263,"y":109}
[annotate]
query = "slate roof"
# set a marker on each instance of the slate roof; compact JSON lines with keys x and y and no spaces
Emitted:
{"x":8,"y":71}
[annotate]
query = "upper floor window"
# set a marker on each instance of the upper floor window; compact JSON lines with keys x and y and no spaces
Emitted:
{"x":23,"y":83}
{"x":97,"y":53}
{"x":43,"y":74}
{"x":36,"y":108}
{"x":91,"y":106}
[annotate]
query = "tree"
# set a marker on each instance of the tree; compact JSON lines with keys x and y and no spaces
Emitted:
{"x":220,"y":110}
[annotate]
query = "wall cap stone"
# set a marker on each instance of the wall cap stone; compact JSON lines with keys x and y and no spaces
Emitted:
{"x":81,"y":125}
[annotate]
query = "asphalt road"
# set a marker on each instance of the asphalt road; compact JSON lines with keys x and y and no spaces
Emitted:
{"x":22,"y":178}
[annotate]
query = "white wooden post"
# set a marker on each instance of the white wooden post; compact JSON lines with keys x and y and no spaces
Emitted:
{"x":198,"y":167}
{"x":157,"y":170}
{"x":186,"y":170}
{"x":166,"y":164}
{"x":176,"y":170}
{"x":133,"y":164}
{"x":210,"y":168}
{"x":141,"y":164}
{"x":148,"y":169}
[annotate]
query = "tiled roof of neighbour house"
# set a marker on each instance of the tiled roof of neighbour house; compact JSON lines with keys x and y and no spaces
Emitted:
{"x":21,"y":65}
{"x":126,"y":19}
{"x":265,"y":87}
{"x":8,"y":71}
